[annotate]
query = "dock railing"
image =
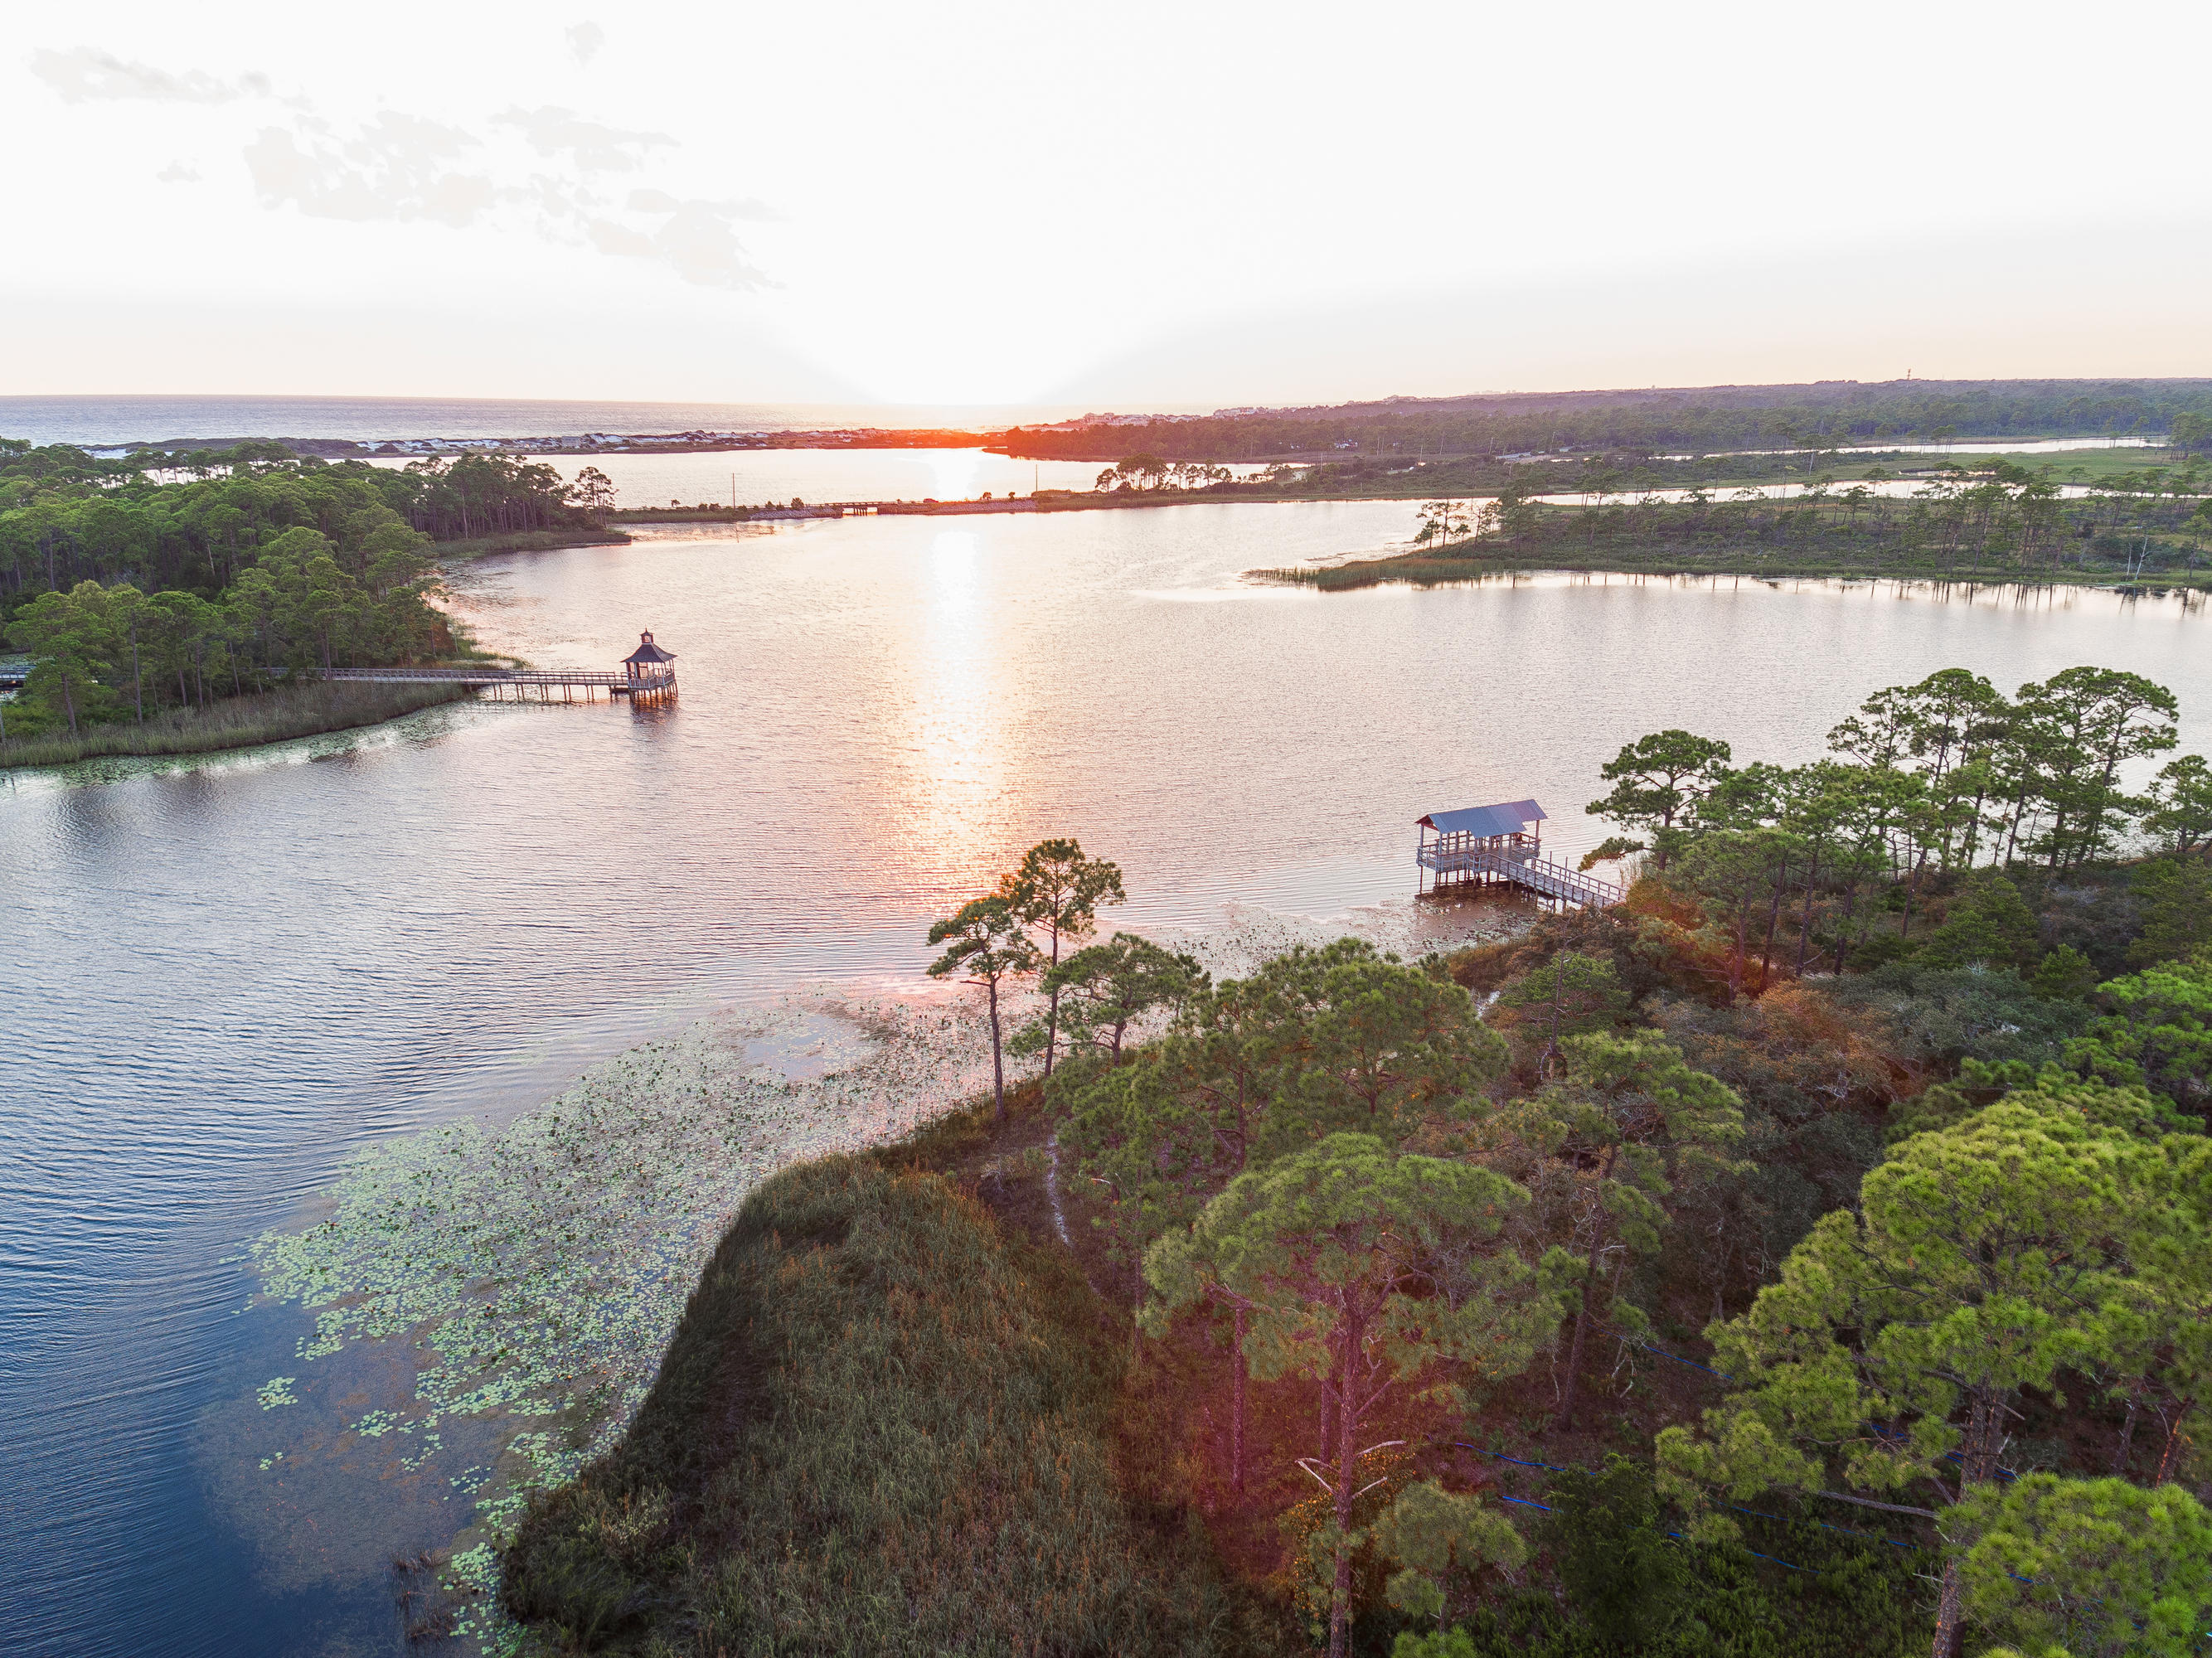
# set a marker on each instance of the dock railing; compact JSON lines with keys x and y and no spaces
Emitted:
{"x":616,"y":682}
{"x":1521,"y":866}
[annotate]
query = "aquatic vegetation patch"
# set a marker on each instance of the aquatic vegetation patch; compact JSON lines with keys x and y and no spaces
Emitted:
{"x":538,"y":1271}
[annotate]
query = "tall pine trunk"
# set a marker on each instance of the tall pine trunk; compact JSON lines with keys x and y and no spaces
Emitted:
{"x":1340,"y":1599}
{"x":1773,"y":921}
{"x":1977,"y":1466}
{"x":2175,"y":1439}
{"x":1237,"y":1410}
{"x":1805,"y":915}
{"x":1843,"y":934}
{"x":997,"y":1063}
{"x":2127,"y":1432}
{"x":1590,"y":1288}
{"x":1052,"y":1009}
{"x":1581,"y":1329}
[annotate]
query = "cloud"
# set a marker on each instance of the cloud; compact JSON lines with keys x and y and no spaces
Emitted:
{"x":554,"y":132}
{"x":585,"y":41}
{"x":660,"y":201}
{"x":695,"y":238}
{"x":83,"y":75}
{"x":402,"y":167}
{"x":178,"y":172}
{"x":397,"y":167}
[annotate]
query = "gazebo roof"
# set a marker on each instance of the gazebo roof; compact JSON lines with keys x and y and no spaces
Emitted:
{"x":646,"y":651}
{"x":1507,"y":817}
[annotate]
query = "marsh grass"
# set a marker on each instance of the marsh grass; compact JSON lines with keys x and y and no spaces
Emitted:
{"x":235,"y":722}
{"x":884,"y":1426}
{"x":1752,"y":562}
{"x":531,"y":541}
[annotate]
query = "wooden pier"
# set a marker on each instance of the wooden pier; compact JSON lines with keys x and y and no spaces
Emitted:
{"x":647,"y":675}
{"x":1502,"y":845}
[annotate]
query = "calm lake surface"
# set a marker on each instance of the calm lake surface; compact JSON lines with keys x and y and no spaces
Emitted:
{"x":751,"y":478}
{"x":222,"y":978}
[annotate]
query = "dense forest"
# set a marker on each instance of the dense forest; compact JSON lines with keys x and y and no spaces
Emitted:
{"x":1810,"y":1255}
{"x":1699,"y":420}
{"x":133,"y":590}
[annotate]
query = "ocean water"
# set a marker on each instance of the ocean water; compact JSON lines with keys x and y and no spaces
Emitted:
{"x":101,"y":421}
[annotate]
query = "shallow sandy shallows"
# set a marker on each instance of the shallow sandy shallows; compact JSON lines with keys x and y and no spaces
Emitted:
{"x":514,"y":1289}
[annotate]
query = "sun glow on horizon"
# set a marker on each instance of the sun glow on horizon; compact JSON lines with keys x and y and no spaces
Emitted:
{"x":937,"y":222}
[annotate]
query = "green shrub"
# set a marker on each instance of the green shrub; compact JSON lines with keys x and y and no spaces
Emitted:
{"x":1846,"y":1598}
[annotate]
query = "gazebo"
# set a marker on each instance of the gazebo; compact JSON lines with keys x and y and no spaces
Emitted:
{"x":644,"y":662}
{"x":646,"y":673}
{"x":1481,"y":843}
{"x":1501,"y":845}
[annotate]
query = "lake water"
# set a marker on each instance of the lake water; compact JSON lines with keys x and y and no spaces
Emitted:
{"x":752,"y":477}
{"x":222,"y":978}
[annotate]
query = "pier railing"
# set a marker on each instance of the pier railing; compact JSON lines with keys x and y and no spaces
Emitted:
{"x":615,"y":682}
{"x":1521,"y":868}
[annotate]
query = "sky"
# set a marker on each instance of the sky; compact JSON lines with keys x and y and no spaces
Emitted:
{"x":1140,"y":206}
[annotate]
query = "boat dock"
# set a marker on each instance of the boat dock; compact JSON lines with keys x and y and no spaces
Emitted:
{"x":1502,"y":845}
{"x":647,"y":675}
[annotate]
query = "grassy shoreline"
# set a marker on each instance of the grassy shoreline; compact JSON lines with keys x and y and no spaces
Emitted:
{"x":529,"y":541}
{"x":1433,"y":570}
{"x":237,"y":722}
{"x":780,"y":1492}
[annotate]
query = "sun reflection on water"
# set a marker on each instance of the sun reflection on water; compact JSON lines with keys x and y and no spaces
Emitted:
{"x":957,"y":782}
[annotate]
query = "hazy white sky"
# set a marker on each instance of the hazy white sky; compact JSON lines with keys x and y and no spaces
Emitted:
{"x":1134,"y":205}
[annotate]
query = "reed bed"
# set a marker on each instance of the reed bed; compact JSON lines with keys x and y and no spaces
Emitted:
{"x":235,"y":722}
